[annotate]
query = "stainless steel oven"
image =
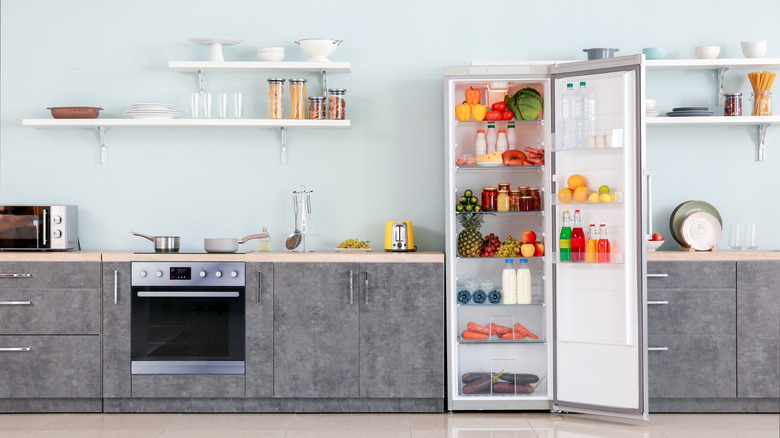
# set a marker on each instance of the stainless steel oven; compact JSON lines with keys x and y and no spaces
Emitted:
{"x":188,"y":317}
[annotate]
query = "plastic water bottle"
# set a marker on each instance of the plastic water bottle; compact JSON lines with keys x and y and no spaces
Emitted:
{"x":582,"y":123}
{"x":567,"y":118}
{"x":523,"y":283}
{"x":508,"y":283}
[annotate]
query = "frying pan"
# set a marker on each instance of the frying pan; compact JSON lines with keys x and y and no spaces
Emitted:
{"x":162,"y":243}
{"x":226,"y":244}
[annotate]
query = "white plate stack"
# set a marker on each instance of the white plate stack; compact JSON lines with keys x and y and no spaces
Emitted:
{"x":151,"y":111}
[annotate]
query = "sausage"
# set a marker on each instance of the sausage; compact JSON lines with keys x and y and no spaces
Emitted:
{"x":531,"y":150}
{"x":515,"y":162}
{"x":512,"y":154}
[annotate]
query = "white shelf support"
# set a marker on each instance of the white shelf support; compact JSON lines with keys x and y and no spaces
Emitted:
{"x":201,"y":81}
{"x":283,"y":132}
{"x":324,"y":83}
{"x":762,"y":128}
{"x":103,"y":144}
{"x":721,"y":79}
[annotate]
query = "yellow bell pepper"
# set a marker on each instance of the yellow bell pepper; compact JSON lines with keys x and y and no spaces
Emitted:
{"x":463,"y":111}
{"x":478,"y":111}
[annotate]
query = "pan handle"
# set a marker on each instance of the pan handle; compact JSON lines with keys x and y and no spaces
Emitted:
{"x":142,"y":235}
{"x":254,"y":236}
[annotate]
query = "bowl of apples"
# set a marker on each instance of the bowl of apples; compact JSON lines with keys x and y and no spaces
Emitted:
{"x":655,"y":242}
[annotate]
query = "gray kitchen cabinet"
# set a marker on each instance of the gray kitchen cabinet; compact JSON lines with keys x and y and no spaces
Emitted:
{"x":259,"y":329}
{"x":758,"y":329}
{"x":315,"y":316}
{"x":116,"y":330}
{"x":402,"y":330}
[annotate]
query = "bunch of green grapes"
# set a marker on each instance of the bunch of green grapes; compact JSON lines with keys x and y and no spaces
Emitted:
{"x":510,"y":248}
{"x":354,"y":244}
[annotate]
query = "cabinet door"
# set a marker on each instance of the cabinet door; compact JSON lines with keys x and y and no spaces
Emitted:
{"x":315,"y":330}
{"x":259,"y":329}
{"x":758,"y":329}
{"x":402,"y":330}
{"x":116,"y":330}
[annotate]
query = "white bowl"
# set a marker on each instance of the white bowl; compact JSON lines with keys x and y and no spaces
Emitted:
{"x":761,"y":43}
{"x":653,"y":245}
{"x":754,"y":52}
{"x":649,"y":104}
{"x":707,"y":52}
{"x":652,"y":113}
{"x":318,"y":49}
{"x":271,"y":57}
{"x":271,"y":50}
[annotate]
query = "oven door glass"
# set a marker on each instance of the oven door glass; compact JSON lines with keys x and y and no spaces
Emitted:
{"x":24,"y":227}
{"x":187,"y":330}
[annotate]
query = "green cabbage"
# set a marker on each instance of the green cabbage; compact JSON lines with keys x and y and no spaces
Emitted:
{"x":526,"y":104}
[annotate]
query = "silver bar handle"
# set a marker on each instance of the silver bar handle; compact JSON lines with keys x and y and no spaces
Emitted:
{"x":351,"y":288}
{"x":365,"y":297}
{"x":187,"y":294}
{"x":45,"y":233}
{"x":11,"y":349}
{"x":15,"y":275}
{"x":116,"y":287}
{"x":657,"y":348}
{"x":16,"y":303}
{"x":259,"y":285}
{"x":657,"y":303}
{"x":657,"y":275}
{"x":649,"y":201}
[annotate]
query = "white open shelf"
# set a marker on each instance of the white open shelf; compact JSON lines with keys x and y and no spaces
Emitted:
{"x":194,"y":66}
{"x":185,"y":123}
{"x":710,"y":64}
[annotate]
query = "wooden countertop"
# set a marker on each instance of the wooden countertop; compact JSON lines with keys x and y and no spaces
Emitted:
{"x":674,"y":256}
{"x":255,"y":256}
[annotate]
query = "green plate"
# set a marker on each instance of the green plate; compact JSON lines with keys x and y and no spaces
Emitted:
{"x":683,"y":210}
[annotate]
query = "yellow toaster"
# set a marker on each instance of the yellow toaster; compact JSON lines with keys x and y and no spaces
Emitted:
{"x":399,"y":236}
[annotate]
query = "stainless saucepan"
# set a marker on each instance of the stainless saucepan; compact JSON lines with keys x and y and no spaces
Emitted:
{"x":162,"y":243}
{"x":226,"y":244}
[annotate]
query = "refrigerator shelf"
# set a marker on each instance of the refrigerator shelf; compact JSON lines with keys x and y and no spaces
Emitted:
{"x":616,"y":258}
{"x":506,"y":213}
{"x":502,"y":341}
{"x":501,"y":259}
{"x":539,"y":304}
{"x":497,"y":122}
{"x":499,"y":168}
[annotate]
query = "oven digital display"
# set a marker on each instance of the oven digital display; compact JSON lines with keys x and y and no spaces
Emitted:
{"x":181,"y":273}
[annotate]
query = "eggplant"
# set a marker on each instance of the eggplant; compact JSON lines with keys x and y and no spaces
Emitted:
{"x":504,"y":388}
{"x":479,"y":386}
{"x":470,"y":377}
{"x":519,"y":379}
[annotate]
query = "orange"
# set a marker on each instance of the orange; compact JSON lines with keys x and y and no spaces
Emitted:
{"x":581,"y":194}
{"x":565,"y":195}
{"x":575,"y":181}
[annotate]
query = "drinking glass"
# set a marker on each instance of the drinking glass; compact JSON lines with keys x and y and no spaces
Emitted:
{"x":238,"y":105}
{"x":735,"y":239}
{"x":195,"y":106}
{"x":205,"y":105}
{"x":222,"y":102}
{"x":751,"y":240}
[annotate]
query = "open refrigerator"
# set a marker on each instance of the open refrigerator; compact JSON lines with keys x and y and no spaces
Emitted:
{"x":590,"y":355}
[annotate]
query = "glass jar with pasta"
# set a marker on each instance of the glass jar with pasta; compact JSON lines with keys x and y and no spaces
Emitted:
{"x":336,"y":104}
{"x":317,"y":108}
{"x":297,"y":98}
{"x":276,"y":98}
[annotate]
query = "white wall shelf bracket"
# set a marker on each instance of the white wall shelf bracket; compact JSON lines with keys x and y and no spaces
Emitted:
{"x":201,"y":81}
{"x":721,"y":79}
{"x":103,"y":144}
{"x":324,"y":83}
{"x":762,"y":128}
{"x":283,"y":132}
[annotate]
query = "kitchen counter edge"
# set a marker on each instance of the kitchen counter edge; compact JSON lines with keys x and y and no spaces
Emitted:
{"x":315,"y":256}
{"x":709,"y":256}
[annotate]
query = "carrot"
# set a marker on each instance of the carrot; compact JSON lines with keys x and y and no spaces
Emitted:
{"x":514,"y":334}
{"x":476,"y":328}
{"x":496,"y":329}
{"x":520,"y":328}
{"x":468,"y":334}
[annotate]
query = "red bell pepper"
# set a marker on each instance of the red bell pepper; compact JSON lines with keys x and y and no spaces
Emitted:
{"x":507,"y":115}
{"x":498,"y":106}
{"x":493,"y":115}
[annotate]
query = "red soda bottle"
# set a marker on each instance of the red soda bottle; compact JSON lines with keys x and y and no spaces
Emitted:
{"x":604,"y":249}
{"x":577,"y":239}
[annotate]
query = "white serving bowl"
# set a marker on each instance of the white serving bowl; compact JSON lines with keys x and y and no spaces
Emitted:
{"x":649,"y":104}
{"x":761,"y":43}
{"x":271,"y":50}
{"x":270,"y":57}
{"x":653,"y":245}
{"x":754,"y":52}
{"x":707,"y":52}
{"x":652,"y":113}
{"x":318,"y":49}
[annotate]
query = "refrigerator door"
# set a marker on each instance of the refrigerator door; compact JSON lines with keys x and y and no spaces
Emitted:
{"x":599,"y":329}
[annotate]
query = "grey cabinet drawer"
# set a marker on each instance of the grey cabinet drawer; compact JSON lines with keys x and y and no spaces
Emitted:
{"x":61,"y":275}
{"x":50,"y":312}
{"x":54,"y":367}
{"x":692,"y":311}
{"x":178,"y":386}
{"x":692,"y":274}
{"x":694,"y":366}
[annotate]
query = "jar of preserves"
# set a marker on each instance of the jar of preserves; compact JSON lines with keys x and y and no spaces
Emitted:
{"x":337,"y":104}
{"x":732,"y":104}
{"x":489,"y":198}
{"x":524,"y":190}
{"x":514,"y":200}
{"x":503,"y":186}
{"x":537,"y":197}
{"x":502,"y":202}
{"x":317,"y":108}
{"x":297,"y":98}
{"x":276,"y":98}
{"x":526,"y":203}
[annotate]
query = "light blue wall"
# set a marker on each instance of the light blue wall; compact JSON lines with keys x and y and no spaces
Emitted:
{"x":228,"y":183}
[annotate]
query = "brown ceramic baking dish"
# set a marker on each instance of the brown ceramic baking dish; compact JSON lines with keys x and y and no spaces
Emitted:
{"x":74,"y":112}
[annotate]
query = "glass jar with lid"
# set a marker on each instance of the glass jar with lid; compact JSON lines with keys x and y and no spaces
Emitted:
{"x":502,"y":201}
{"x":276,"y":98}
{"x":489,"y":195}
{"x":514,"y":200}
{"x":317,"y":108}
{"x":297,"y":98}
{"x":337,"y":104}
{"x":732,"y":106}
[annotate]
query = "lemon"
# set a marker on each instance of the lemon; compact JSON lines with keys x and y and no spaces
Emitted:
{"x":594,"y":198}
{"x":607,"y":197}
{"x":604,"y":189}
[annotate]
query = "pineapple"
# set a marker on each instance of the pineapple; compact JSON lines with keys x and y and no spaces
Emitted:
{"x":470,"y":239}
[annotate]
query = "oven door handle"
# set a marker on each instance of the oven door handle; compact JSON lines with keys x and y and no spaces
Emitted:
{"x":186,"y":294}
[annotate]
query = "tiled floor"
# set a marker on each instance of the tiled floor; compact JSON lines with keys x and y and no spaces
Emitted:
{"x":459,"y":425}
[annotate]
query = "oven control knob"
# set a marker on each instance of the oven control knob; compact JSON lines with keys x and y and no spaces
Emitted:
{"x":57,"y":219}
{"x":158,"y":273}
{"x":202,"y":273}
{"x":218,"y":274}
{"x":234,"y":274}
{"x":142,"y":273}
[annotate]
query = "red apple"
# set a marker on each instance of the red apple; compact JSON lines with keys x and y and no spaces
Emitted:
{"x":529,"y":236}
{"x":657,"y":236}
{"x":538,"y":249}
{"x":527,"y":249}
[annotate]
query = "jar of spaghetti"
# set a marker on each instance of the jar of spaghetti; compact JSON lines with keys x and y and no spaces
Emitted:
{"x":503,"y":186}
{"x":317,"y":108}
{"x":514,"y":200}
{"x":526,"y":203}
{"x":336,"y":104}
{"x":762,"y":103}
{"x":489,"y":198}
{"x":276,"y":98}
{"x":732,"y":104}
{"x":537,"y":197}
{"x":297,"y":98}
{"x":502,"y":201}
